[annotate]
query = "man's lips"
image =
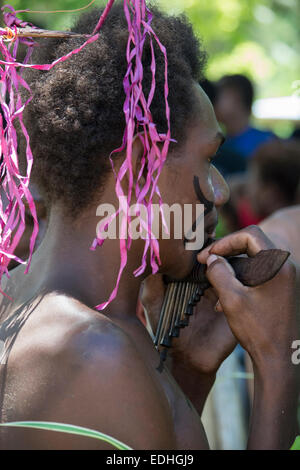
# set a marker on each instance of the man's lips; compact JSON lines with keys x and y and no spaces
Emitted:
{"x":210,"y":224}
{"x":209,"y":235}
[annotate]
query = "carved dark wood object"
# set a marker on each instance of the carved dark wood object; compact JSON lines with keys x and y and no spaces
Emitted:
{"x":181,"y":296}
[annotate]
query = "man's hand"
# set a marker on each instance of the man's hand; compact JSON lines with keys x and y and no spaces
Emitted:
{"x":264,"y":320}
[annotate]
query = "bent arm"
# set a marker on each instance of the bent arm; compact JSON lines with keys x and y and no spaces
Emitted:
{"x":265,"y":320}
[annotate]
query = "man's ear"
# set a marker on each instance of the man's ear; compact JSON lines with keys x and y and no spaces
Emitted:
{"x":140,"y":164}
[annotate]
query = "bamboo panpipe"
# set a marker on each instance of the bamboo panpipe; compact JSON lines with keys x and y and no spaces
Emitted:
{"x":182,"y":295}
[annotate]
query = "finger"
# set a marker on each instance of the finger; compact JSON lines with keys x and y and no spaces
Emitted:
{"x":247,"y":241}
{"x":204,"y":254}
{"x":222,"y":277}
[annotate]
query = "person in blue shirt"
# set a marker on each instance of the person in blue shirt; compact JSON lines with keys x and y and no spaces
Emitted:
{"x":233,"y":103}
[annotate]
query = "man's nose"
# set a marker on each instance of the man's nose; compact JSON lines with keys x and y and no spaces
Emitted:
{"x":221,"y":189}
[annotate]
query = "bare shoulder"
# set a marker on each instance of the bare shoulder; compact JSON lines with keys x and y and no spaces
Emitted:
{"x":283,"y":229}
{"x":289,"y":214}
{"x":121,"y":395}
{"x":88,"y":372}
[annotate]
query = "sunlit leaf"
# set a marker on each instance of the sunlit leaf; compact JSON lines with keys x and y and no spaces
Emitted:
{"x":70,"y":429}
{"x":296,"y":445}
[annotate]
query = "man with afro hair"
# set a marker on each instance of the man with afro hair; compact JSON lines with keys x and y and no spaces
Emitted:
{"x":62,"y":360}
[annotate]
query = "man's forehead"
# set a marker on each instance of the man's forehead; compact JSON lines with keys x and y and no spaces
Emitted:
{"x":207,"y":120}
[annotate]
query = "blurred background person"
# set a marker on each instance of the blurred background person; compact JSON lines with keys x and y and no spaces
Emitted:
{"x":271,"y":183}
{"x":233,"y":105}
{"x":229,"y":160}
{"x":296,"y":133}
{"x":274,"y":177}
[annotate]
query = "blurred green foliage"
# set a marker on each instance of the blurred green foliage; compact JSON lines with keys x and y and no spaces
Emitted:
{"x":296,"y":445}
{"x":260,"y":38}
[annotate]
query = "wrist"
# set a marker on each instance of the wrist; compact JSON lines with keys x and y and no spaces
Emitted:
{"x":278,"y":371}
{"x":272,"y":357}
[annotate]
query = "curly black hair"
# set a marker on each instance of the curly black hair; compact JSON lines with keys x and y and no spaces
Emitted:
{"x":76,"y":116}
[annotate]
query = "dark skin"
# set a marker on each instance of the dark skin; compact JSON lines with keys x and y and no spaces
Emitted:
{"x":221,"y":319}
{"x":283,"y":228}
{"x":69,"y":363}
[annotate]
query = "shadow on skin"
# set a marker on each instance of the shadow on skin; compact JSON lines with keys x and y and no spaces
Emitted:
{"x":9,"y":330}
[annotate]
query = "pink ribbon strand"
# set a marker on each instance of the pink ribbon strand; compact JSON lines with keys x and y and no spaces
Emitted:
{"x":139,"y":122}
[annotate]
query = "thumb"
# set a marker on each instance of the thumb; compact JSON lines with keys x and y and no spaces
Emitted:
{"x":222,"y":277}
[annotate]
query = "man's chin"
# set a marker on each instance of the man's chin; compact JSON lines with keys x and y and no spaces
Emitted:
{"x":183,"y":261}
{"x":190,"y":258}
{"x":179,"y":271}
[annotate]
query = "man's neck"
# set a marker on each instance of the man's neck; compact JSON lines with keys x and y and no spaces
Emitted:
{"x":64,"y":262}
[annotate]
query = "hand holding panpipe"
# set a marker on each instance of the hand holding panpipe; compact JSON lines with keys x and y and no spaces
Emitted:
{"x":249,"y":271}
{"x":181,"y":296}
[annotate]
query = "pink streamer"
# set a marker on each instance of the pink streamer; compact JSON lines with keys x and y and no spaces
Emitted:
{"x":138,"y":116}
{"x":14,"y":186}
{"x":138,"y":121}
